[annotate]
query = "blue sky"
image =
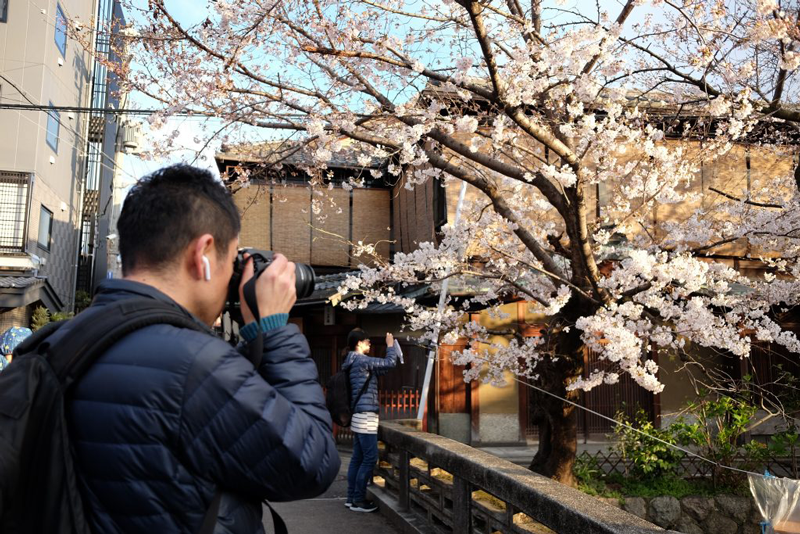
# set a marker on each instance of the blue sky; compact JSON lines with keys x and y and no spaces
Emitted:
{"x":190,"y":129}
{"x":191,"y":134}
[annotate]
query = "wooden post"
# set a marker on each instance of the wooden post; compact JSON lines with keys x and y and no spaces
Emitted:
{"x":462,"y":506}
{"x":584,"y":401}
{"x":403,"y":481}
{"x":510,"y":513}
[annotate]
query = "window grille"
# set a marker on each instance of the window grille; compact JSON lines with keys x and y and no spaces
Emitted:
{"x":14,"y":201}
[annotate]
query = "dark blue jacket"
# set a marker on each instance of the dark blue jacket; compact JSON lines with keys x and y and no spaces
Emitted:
{"x":168,"y":414}
{"x":359,"y":366}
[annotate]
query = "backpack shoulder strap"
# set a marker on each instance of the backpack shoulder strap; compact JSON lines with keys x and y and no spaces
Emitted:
{"x":37,"y":337}
{"x":96,"y":329}
{"x":361,"y":393}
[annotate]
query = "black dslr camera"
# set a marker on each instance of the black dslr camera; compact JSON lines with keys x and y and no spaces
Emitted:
{"x":304,"y":278}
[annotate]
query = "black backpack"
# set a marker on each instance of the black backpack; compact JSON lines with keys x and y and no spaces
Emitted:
{"x":38,"y":483}
{"x":337,"y":397}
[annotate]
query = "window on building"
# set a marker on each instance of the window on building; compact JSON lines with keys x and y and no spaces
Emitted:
{"x":45,"y":228}
{"x":61,"y":29}
{"x":53,"y":124}
{"x":14,"y":187}
{"x":3,"y":10}
{"x":86,"y":237}
{"x":603,"y":198}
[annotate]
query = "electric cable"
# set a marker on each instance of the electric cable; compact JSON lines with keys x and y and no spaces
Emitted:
{"x":82,"y":153}
{"x":629,"y":427}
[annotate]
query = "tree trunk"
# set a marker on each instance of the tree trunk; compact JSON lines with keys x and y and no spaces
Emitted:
{"x":557,"y":420}
{"x":558,"y":433}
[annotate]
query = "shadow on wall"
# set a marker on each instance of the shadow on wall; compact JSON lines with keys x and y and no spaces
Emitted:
{"x":56,"y":246}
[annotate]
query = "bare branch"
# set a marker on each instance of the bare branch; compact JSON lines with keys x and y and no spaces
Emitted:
{"x":623,"y":16}
{"x":749,"y":202}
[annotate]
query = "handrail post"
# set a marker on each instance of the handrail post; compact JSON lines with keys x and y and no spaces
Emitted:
{"x":404,"y":480}
{"x":462,"y":506}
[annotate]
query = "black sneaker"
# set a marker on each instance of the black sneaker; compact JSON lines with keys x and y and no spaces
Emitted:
{"x":349,"y":504}
{"x":364,"y":506}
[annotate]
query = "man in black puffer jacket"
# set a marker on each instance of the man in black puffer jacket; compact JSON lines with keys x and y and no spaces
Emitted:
{"x":168,"y":416}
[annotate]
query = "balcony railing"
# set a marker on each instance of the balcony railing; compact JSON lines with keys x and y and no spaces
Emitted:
{"x":15,"y":194}
{"x":455,"y":488}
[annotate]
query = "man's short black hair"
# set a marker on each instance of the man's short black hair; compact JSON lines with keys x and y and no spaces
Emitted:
{"x":355,"y":336}
{"x":169,"y":208}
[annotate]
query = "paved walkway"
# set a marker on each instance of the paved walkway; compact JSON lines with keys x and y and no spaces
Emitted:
{"x":523,"y":454}
{"x":327,"y":514}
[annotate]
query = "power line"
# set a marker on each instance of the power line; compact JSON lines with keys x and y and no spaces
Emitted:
{"x":629,"y":427}
{"x":83,"y":109}
{"x":81,"y":139}
{"x":132,"y":111}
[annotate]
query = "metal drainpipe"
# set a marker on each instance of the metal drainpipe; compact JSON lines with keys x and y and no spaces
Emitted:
{"x":423,"y":400}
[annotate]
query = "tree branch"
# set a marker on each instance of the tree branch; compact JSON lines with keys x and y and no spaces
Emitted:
{"x":749,"y":202}
{"x":502,"y":208}
{"x":623,"y":16}
{"x":474,"y":10}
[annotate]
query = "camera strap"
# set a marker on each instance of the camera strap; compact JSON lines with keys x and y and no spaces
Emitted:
{"x":257,"y":345}
{"x":255,"y":354}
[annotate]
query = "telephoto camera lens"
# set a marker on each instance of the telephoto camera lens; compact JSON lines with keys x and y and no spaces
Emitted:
{"x":304,"y":278}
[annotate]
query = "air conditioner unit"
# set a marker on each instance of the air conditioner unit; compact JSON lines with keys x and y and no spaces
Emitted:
{"x":130,"y":135}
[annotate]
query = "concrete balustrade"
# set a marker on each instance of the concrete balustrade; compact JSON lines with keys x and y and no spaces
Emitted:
{"x":434,"y":484}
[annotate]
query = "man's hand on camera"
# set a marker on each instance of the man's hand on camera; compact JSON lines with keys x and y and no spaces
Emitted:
{"x":275,"y":288}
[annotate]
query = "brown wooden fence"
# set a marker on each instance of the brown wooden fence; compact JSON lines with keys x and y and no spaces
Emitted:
{"x":626,"y":395}
{"x":402,"y":404}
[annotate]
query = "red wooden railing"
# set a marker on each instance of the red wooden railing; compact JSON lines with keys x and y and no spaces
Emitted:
{"x":402,"y":404}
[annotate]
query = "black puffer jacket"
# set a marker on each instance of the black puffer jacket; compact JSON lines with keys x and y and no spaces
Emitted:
{"x":359,"y":366}
{"x":169,"y":414}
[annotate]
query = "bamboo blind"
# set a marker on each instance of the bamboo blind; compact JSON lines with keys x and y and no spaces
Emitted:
{"x":291,"y":219}
{"x":253,"y":204}
{"x":371,"y":208}
{"x":331,"y":232}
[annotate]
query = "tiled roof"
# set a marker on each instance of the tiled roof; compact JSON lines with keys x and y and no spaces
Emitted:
{"x":294,"y":153}
{"x":327,"y":285}
{"x":18,"y":281}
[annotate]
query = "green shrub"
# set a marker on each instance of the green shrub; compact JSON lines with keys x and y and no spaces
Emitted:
{"x":647,"y":448}
{"x":784,"y":443}
{"x":39,"y":318}
{"x":671,"y":486}
{"x":82,"y":300}
{"x":61,"y":316}
{"x":713,"y":426}
{"x":589,"y":475}
{"x":717,"y":431}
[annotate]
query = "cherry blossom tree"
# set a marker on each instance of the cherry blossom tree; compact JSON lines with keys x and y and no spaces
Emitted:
{"x":537,"y":107}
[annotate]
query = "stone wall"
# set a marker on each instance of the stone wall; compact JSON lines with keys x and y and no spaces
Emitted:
{"x":16,"y":317}
{"x":723,"y":514}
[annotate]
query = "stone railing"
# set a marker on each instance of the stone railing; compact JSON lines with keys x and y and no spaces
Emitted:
{"x":452,"y":487}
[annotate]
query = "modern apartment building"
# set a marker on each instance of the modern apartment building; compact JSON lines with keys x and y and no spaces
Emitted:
{"x":56,"y":158}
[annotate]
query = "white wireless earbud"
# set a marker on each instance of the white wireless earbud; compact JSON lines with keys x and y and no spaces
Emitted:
{"x":206,"y":269}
